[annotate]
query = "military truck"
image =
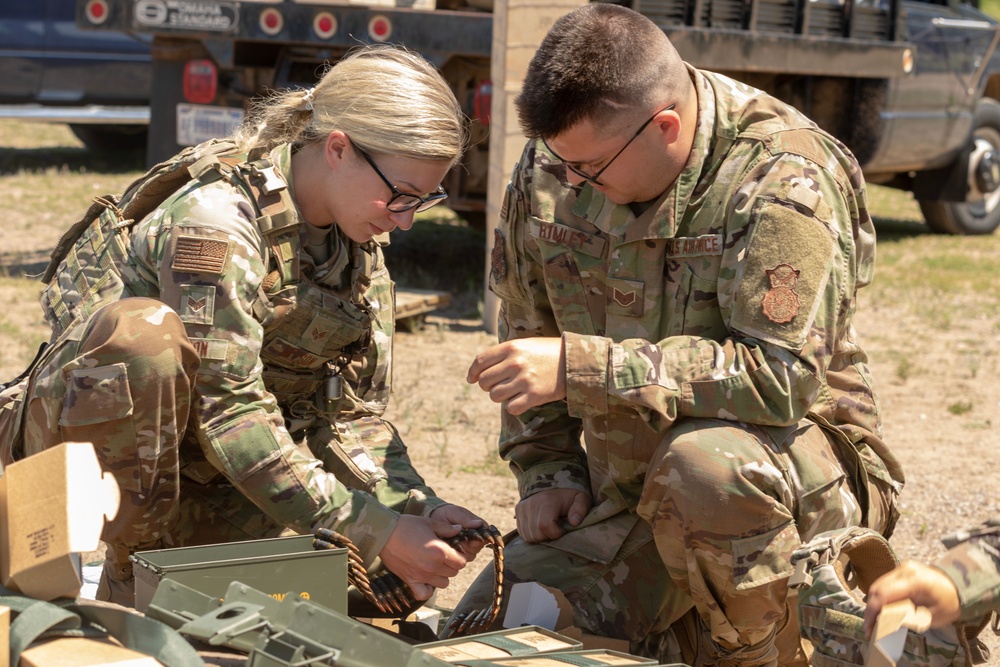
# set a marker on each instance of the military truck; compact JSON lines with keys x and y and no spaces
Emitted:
{"x":910,"y":85}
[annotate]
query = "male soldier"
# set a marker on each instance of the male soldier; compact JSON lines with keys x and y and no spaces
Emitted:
{"x":962,"y":585}
{"x":678,"y":257}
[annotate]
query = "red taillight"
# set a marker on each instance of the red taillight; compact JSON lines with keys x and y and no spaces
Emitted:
{"x":200,"y":81}
{"x":481,"y":102}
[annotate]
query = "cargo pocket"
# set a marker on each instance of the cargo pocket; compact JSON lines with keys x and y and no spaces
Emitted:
{"x":762,"y":559}
{"x":97,"y":407}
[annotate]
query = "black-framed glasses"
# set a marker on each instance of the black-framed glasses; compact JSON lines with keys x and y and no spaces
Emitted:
{"x":593,"y":177}
{"x":400,"y":202}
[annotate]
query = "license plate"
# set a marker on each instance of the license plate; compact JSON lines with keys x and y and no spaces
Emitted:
{"x":197,"y":123}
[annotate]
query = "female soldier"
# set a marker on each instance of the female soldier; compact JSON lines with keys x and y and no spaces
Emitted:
{"x":228,"y":351}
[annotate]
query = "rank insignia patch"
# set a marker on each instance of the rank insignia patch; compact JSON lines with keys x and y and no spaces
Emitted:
{"x":197,"y":304}
{"x":498,"y":258}
{"x":623,"y":298}
{"x":781,"y":303}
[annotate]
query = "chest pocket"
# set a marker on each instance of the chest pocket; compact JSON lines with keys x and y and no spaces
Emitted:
{"x":691,"y":302}
{"x":313,"y":326}
{"x":574,"y":262}
{"x":701,"y":315}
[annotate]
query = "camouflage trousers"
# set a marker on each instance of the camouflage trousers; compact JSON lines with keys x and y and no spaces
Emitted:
{"x":123,"y":380}
{"x":723,"y":507}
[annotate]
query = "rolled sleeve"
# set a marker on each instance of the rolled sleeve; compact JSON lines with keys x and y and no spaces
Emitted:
{"x":587,"y":360}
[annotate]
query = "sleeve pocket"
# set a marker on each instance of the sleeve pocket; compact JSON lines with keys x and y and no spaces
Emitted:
{"x":761,"y":559}
{"x":96,"y":395}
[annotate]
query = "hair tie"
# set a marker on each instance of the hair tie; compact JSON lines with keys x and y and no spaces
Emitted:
{"x":306,"y":103}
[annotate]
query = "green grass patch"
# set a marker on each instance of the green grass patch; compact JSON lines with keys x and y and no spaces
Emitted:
{"x":990,"y":7}
{"x":937,"y":278}
{"x":960,"y":408}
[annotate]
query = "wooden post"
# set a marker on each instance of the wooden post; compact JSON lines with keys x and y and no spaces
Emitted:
{"x":518,"y":29}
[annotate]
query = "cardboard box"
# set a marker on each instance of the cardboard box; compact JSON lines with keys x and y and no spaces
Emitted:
{"x":52,"y":507}
{"x":82,"y":652}
{"x":4,"y":636}
{"x":523,"y":641}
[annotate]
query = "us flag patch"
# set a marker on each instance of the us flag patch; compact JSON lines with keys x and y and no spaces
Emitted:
{"x":194,"y":254}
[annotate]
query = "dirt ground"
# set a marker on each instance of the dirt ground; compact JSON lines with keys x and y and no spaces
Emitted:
{"x":941,"y":399}
{"x":949,"y":459}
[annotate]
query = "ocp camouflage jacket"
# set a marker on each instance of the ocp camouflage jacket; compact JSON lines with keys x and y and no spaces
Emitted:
{"x":273,"y":329}
{"x":731,"y":297}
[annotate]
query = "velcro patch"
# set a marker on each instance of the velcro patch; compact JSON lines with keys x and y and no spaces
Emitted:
{"x":197,"y":304}
{"x":196,"y":254}
{"x":695,"y":246}
{"x":625,"y":297}
{"x":211,"y":348}
{"x":574,"y":239}
{"x":498,"y":258}
{"x":782,"y":282}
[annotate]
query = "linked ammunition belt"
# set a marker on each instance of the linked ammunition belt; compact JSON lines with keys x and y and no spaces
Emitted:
{"x":389,"y":594}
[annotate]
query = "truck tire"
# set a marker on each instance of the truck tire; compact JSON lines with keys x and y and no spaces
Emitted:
{"x":980,"y":212}
{"x":111,"y":138}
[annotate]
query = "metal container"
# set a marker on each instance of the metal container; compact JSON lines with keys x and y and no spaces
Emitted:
{"x":275,"y":566}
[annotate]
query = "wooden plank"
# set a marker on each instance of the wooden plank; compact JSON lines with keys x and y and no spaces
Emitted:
{"x":412,"y":302}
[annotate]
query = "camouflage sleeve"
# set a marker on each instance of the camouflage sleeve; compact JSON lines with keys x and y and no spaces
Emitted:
{"x":542,"y":444}
{"x":973,"y":565}
{"x":369,"y":440}
{"x":798,"y":245}
{"x":203,"y":249}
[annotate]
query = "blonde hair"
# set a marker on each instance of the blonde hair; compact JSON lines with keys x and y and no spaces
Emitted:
{"x":386,"y":99}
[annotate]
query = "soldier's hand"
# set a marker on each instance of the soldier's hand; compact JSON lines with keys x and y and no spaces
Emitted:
{"x":925,"y":586}
{"x":525,"y":373}
{"x":459,"y":516}
{"x":540,"y":516}
{"x":419,"y":556}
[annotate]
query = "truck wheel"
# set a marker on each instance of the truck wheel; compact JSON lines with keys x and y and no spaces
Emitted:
{"x":980,"y":212}
{"x":111,"y":138}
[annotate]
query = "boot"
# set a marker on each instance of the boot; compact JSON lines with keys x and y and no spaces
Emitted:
{"x":117,"y":583}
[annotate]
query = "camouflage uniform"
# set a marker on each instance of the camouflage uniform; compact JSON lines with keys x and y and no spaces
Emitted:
{"x":712,"y":369}
{"x":231,"y":368}
{"x":973,"y":564}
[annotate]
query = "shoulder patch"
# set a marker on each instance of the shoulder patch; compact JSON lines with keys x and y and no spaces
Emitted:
{"x":498,"y":258}
{"x":782,"y":283}
{"x":781,"y":302}
{"x":196,"y":254}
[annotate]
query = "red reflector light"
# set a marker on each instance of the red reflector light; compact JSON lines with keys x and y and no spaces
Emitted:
{"x":271,"y":21}
{"x":97,"y":11}
{"x":324,"y":25}
{"x":200,"y":81}
{"x":380,"y":28}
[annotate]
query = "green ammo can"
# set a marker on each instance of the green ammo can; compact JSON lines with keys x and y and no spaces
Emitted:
{"x":275,"y":566}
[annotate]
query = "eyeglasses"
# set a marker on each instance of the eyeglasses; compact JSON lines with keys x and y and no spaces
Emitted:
{"x":593,"y":177}
{"x":400,"y":202}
